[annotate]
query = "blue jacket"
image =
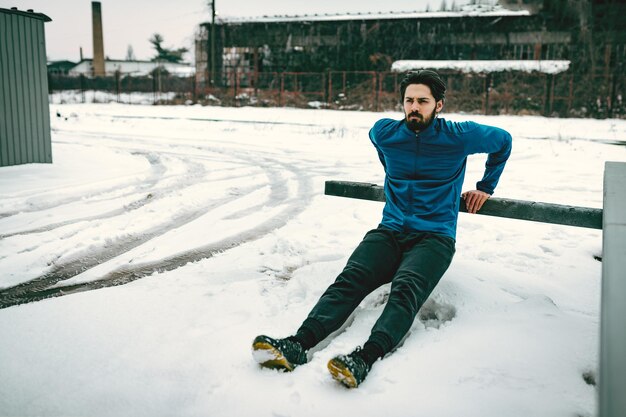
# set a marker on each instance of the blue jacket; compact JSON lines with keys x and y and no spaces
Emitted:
{"x":424,"y":172}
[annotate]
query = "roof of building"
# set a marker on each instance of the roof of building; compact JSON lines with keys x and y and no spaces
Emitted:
{"x":28,"y":13}
{"x":139,"y":68}
{"x":485,"y":66}
{"x":465,"y":11}
{"x":62,"y":62}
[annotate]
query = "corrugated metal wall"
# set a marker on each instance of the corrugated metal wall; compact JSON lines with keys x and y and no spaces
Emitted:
{"x":24,"y":109}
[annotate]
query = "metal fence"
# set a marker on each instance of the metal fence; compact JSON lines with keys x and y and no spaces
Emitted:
{"x":158,"y":88}
{"x":564,"y":95}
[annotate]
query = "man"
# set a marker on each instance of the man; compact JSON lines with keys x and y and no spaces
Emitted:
{"x":424,"y":158}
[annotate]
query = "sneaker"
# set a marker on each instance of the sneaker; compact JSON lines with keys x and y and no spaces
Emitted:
{"x":350,"y":369}
{"x":281,"y":354}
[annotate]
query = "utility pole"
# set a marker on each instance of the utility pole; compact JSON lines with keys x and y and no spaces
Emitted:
{"x":212,"y":80}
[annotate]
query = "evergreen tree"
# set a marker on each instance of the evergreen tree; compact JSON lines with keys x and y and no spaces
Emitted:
{"x":166,"y":54}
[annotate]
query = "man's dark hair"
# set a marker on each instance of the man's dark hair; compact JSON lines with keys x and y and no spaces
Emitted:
{"x":426,"y":77}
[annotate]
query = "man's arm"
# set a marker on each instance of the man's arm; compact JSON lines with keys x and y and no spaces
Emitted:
{"x":381,"y":157}
{"x":497,"y":143}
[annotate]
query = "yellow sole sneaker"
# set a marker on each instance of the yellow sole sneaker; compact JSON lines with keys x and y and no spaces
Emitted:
{"x":341,"y":373}
{"x":269,"y":357}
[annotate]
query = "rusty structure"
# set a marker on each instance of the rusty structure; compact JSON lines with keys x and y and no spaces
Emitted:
{"x":271,"y":52}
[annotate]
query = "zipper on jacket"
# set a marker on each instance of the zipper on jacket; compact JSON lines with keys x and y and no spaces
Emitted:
{"x":417,"y":152}
{"x":410,"y":203}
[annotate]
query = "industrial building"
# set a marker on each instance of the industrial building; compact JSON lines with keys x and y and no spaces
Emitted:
{"x":588,"y":33}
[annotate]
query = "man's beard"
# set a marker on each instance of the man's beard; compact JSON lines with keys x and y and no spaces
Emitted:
{"x":420,"y":124}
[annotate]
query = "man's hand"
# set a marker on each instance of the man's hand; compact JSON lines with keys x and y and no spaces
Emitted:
{"x":474,"y":200}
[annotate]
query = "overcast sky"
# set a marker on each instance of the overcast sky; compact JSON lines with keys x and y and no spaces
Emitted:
{"x":132,"y":22}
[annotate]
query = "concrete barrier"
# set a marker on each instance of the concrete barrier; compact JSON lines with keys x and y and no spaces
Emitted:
{"x":612,"y":378}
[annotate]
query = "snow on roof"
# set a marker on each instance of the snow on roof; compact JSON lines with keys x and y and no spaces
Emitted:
{"x":547,"y":66}
{"x":137,"y":68}
{"x":466,"y":11}
{"x":146,"y":67}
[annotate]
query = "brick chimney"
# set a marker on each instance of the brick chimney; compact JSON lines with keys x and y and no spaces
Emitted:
{"x":98,"y":43}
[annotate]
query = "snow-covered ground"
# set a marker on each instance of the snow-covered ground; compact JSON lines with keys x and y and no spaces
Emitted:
{"x":93,"y":96}
{"x":228,"y":205}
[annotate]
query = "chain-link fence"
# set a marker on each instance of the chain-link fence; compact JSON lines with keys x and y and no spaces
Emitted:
{"x":520,"y":93}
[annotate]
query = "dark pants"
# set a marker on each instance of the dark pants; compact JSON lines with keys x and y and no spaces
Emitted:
{"x":413,"y":263}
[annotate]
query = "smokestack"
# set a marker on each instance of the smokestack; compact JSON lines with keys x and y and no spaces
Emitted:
{"x":98,"y":43}
{"x":81,"y":54}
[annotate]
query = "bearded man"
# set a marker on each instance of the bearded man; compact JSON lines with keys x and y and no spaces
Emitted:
{"x":424,"y":158}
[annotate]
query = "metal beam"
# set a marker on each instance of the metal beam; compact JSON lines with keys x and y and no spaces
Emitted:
{"x":499,"y":207}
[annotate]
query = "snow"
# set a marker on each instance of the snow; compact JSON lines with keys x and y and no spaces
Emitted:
{"x":477,"y":66}
{"x":95,"y":96}
{"x":134,"y":68}
{"x":219,"y":214}
{"x":484,"y":10}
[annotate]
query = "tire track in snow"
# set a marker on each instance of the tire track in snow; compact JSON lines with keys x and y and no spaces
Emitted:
{"x":84,"y":261}
{"x":45,"y":286}
{"x":127,"y":274}
{"x":157,"y":169}
{"x":152,"y":196}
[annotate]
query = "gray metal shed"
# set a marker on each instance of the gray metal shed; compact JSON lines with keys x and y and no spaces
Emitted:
{"x":24,"y":108}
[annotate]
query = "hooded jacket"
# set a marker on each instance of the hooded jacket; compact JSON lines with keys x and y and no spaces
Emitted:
{"x":424,"y":171}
